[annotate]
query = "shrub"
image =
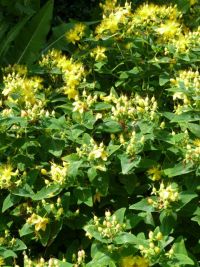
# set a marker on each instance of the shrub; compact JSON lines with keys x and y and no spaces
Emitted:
{"x":101,"y":145}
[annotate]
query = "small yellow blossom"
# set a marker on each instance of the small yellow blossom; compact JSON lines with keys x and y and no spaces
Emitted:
{"x":58,"y":173}
{"x":76,"y":33}
{"x":193,"y":2}
{"x":98,"y":152}
{"x":169,"y":30}
{"x":2,"y":263}
{"x":98,"y":53}
{"x":39,"y":222}
{"x":147,"y":11}
{"x":134,"y":261}
{"x":154,"y":173}
{"x":79,"y":105}
{"x":196,"y":142}
{"x":6,"y":173}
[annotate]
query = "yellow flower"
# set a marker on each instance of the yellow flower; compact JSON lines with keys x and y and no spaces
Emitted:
{"x":98,"y":53}
{"x":146,"y":12}
{"x":193,"y":2}
{"x":18,"y":88}
{"x":196,"y":142}
{"x":39,"y":222}
{"x":169,"y":30}
{"x":75,"y":34}
{"x":71,"y":92}
{"x":134,"y":261}
{"x":2,"y":263}
{"x":6,"y":173}
{"x":154,"y":173}
{"x":98,"y":152}
{"x":58,"y":173}
{"x":108,"y":6}
{"x":79,"y":105}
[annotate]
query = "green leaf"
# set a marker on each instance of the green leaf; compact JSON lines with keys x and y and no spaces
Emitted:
{"x":92,"y":173}
{"x":92,"y":230}
{"x":129,"y":238}
{"x":183,"y":259}
{"x":12,"y":34}
{"x":142,"y":205}
{"x":103,"y":261}
{"x":89,"y":120}
{"x":180,"y":252}
{"x":74,"y":168}
{"x":194,"y":128}
{"x":84,"y":195}
{"x":102,"y":106}
{"x":31,"y":39}
{"x":120,"y":215}
{"x":178,"y":169}
{"x":168,"y":222}
{"x":47,"y":192}
{"x":179,"y":246}
{"x":10,"y":201}
{"x":185,"y":198}
{"x":110,"y":127}
{"x":7,"y":253}
{"x":45,"y":235}
{"x":24,"y":191}
{"x":132,"y":220}
{"x":112,"y":149}
{"x":64,"y":264}
{"x":197,"y":217}
{"x":26,"y":229}
{"x":56,"y":147}
{"x":128,"y":164}
{"x":19,"y":245}
{"x":163,"y":79}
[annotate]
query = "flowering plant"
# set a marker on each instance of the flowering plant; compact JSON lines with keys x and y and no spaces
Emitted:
{"x":101,"y":144}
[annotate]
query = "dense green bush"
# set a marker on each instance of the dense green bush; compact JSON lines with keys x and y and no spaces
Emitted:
{"x":100,"y":143}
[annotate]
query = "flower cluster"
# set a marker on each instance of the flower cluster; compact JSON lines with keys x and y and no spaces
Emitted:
{"x":166,"y":196}
{"x":36,"y":111}
{"x":109,"y":227}
{"x":82,"y":105}
{"x":154,"y":248}
{"x":58,"y":173}
{"x":187,"y":86}
{"x":187,"y":42}
{"x":72,"y":71}
{"x":79,"y":259}
{"x":113,"y":18}
{"x":76,"y":33}
{"x":131,"y":108}
{"x":136,"y":261}
{"x":94,"y":152}
{"x":154,"y":245}
{"x":24,"y":91}
{"x":19,"y":88}
{"x":160,"y":20}
{"x":193,"y":152}
{"x":40,"y":262}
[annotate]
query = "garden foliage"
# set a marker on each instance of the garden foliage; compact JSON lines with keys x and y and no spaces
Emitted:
{"x":100,"y":140}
